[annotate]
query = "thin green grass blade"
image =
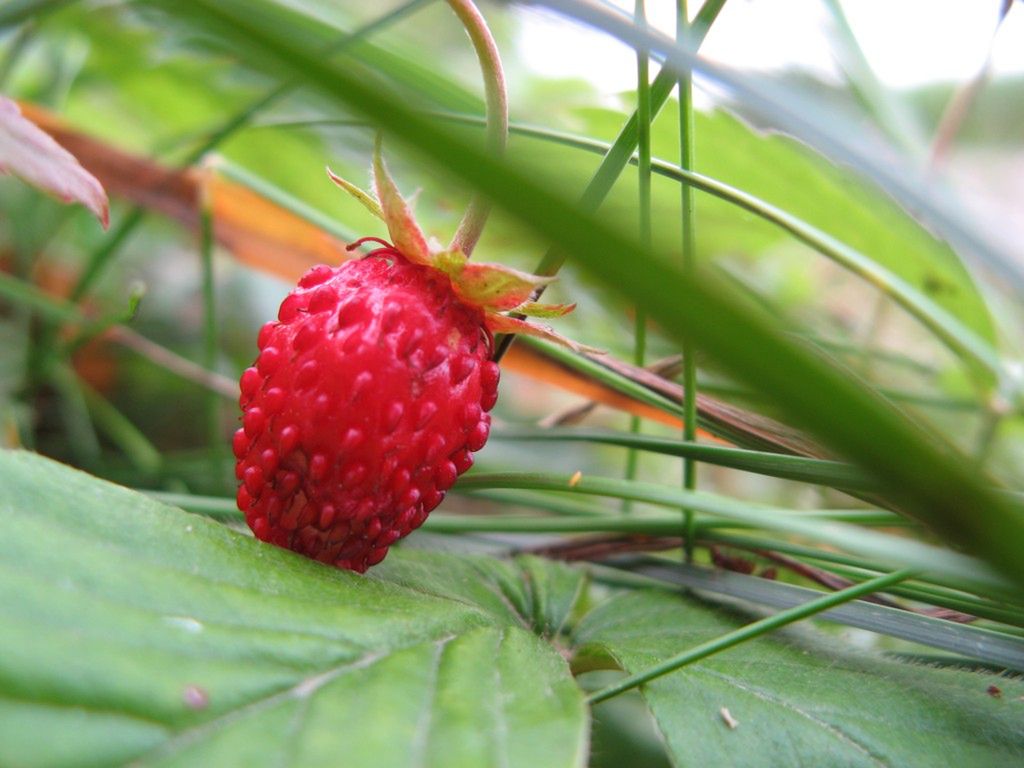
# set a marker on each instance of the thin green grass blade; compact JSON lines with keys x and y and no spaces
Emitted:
{"x":749,"y":632}
{"x":818,"y":471}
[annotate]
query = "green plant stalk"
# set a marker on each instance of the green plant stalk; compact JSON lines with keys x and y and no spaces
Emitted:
{"x":749,"y":632}
{"x":643,"y":113}
{"x":209,"y":362}
{"x":689,"y":223}
{"x":545,"y":502}
{"x":81,"y":433}
{"x":818,"y":471}
{"x":921,"y":590}
{"x":138,"y":449}
{"x":26,"y":295}
{"x":618,"y":154}
{"x":98,"y":258}
{"x":473,"y":221}
{"x":93,"y":329}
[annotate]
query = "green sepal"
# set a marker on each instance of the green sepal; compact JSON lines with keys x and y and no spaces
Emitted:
{"x":367,"y":200}
{"x":495,"y":288}
{"x":534,"y":309}
{"x":405,"y":233}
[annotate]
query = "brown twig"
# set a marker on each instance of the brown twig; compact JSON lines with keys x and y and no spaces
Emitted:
{"x":172,"y":362}
{"x":666,"y":368}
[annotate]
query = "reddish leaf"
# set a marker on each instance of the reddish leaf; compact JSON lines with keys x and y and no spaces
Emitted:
{"x":29,"y":153}
{"x":533,"y":309}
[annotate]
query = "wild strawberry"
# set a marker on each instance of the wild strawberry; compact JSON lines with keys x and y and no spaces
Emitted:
{"x":371,"y":391}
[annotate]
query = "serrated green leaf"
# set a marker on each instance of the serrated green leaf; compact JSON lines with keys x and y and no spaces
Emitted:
{"x":797,"y":699}
{"x":144,"y":634}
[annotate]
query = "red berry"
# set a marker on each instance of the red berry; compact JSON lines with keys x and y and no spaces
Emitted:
{"x":362,"y":407}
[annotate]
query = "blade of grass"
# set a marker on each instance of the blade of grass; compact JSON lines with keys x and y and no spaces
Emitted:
{"x":82,"y":439}
{"x":945,"y":598}
{"x":717,"y":417}
{"x":818,"y":471}
{"x":545,"y":502}
{"x":892,"y":114}
{"x":136,"y":447}
{"x":643,"y":114}
{"x":749,"y":632}
{"x":689,"y":264}
{"x":210,"y":345}
{"x":842,"y":564}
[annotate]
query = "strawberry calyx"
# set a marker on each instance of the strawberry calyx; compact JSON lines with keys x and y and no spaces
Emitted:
{"x":492,"y":288}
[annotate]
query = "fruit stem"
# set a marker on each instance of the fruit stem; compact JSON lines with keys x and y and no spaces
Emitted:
{"x":472,"y":224}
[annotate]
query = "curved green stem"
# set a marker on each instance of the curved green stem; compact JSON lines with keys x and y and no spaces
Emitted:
{"x":953,"y":334}
{"x":472,"y":224}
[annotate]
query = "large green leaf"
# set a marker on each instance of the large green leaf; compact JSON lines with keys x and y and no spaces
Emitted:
{"x":144,"y":634}
{"x":133,"y":631}
{"x":799,"y":701}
